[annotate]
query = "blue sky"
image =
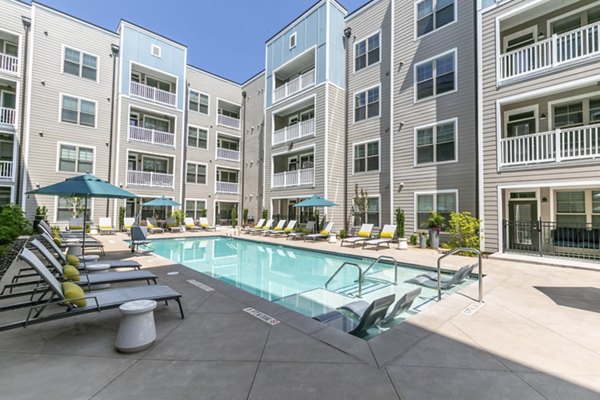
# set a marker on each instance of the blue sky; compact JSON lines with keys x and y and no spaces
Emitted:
{"x":225,"y":37}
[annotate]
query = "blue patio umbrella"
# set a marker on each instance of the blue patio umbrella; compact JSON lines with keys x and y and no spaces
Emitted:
{"x":162,"y":201}
{"x":315,"y":201}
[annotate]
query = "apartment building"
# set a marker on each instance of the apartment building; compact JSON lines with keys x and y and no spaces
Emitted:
{"x":540,"y":108}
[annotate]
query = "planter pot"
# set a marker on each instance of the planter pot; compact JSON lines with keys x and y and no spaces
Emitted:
{"x":423,"y":241}
{"x":434,"y":235}
{"x":403,"y":244}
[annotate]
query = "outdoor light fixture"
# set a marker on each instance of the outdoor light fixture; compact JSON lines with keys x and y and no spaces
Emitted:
{"x":543,"y":116}
{"x":400,"y":187}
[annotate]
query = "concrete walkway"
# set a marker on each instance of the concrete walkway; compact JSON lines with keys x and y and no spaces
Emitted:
{"x":536,"y":337}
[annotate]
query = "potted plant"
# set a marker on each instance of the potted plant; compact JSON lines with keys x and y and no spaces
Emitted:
{"x":40,"y":215}
{"x":423,"y":239}
{"x":402,"y":241}
{"x":179,"y":216}
{"x":234,"y":217}
{"x":245,"y":216}
{"x":434,"y":223}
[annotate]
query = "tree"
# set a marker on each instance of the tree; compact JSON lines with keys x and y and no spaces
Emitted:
{"x":360,"y":204}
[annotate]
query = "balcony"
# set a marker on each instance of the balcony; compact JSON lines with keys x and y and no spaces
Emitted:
{"x":228,"y":121}
{"x":152,"y":136}
{"x":152,"y":94}
{"x":294,"y":86}
{"x":9,"y":63}
{"x":554,"y":146}
{"x":226,"y":154}
{"x":227,"y":187}
{"x":300,"y":130}
{"x":555,"y":51}
{"x":294,"y":178}
{"x":8,"y":116}
{"x":6,"y":169}
{"x":152,"y":179}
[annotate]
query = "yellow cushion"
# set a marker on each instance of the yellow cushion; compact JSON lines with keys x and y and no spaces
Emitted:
{"x":387,"y":235}
{"x":363,"y":234}
{"x":189,"y":225}
{"x":324,"y":232}
{"x":76,"y":227}
{"x":72,"y":291}
{"x":277,"y":228}
{"x":105,"y":227}
{"x":204,"y":225}
{"x":265,"y":227}
{"x":128,"y":226}
{"x":289,"y":229}
{"x":71,"y":273}
{"x":73,"y":260}
{"x":57,"y":241}
{"x":257,"y":226}
{"x":150,"y":225}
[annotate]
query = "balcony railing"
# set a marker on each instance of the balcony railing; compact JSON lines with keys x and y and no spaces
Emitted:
{"x":295,"y":85}
{"x":8,"y":116}
{"x":294,"y":178}
{"x":228,"y":121}
{"x":556,"y":50}
{"x":9,"y":63}
{"x":227,"y":154}
{"x":6,"y":169}
{"x":304,"y":128}
{"x":227,"y":187}
{"x":152,"y":93}
{"x":144,"y":178}
{"x":553,"y":146}
{"x":153,"y":136}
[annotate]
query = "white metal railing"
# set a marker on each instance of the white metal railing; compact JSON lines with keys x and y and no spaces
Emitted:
{"x":6,"y":169}
{"x":152,"y":93}
{"x":9,"y":63}
{"x":304,"y":128}
{"x":295,"y":85}
{"x":144,"y":178}
{"x":227,"y":187}
{"x":153,"y":136}
{"x":294,"y":178}
{"x":8,"y":116}
{"x":553,"y":146}
{"x":227,"y":154}
{"x":228,"y":121}
{"x":556,"y":50}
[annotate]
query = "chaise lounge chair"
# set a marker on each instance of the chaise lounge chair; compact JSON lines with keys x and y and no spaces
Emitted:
{"x":74,"y":239}
{"x":172,"y":226}
{"x":205,"y":225}
{"x":371,"y":317}
{"x":105,"y":226}
{"x":257,"y":226}
{"x":153,"y":226}
{"x":190,"y":225}
{"x":310,"y":226}
{"x":278,"y":227}
{"x":430,"y":279}
{"x":324,"y":234}
{"x":139,"y":237}
{"x":364,"y":234}
{"x":385,"y":237}
{"x":268,"y":225}
{"x":287,"y":230}
{"x":359,"y":307}
{"x":128,"y":223}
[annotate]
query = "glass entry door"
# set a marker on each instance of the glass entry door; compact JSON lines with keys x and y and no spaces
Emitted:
{"x":523,"y":225}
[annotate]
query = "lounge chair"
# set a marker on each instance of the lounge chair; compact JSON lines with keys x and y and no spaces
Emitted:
{"x":190,"y":225}
{"x":139,"y":237}
{"x":430,"y":279}
{"x":205,"y":225}
{"x":94,"y":301}
{"x":76,"y":224}
{"x":105,"y":226}
{"x":128,"y":223}
{"x":385,"y":237}
{"x":371,"y":317}
{"x":310,"y":226}
{"x":173,"y":226}
{"x":364,"y":234}
{"x":359,"y":307}
{"x":251,"y":229}
{"x":153,"y":226}
{"x":69,"y":237}
{"x":268,"y":225}
{"x":278,"y":227}
{"x":287,"y":230}
{"x":324,"y":234}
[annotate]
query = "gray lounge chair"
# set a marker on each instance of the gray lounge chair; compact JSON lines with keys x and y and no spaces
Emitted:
{"x":51,"y":294}
{"x":310,"y":226}
{"x":430,"y":279}
{"x":73,"y":239}
{"x":139,"y":237}
{"x":105,"y":226}
{"x":359,"y":307}
{"x":385,"y":237}
{"x":324,"y":234}
{"x":153,"y":226}
{"x":258,"y":225}
{"x":371,"y":317}
{"x":364,"y":234}
{"x":172,"y":226}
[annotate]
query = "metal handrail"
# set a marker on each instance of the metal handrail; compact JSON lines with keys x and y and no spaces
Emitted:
{"x":388,"y":258}
{"x":480,"y":270}
{"x":360,"y":274}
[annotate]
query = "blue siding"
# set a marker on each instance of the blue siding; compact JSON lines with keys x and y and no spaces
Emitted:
{"x":136,"y":49}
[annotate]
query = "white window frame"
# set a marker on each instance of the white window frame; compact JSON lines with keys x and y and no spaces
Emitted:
{"x":508,"y":113}
{"x":91,"y":207}
{"x":568,"y":14}
{"x":585,"y":98}
{"x":370,"y":196}
{"x":366,"y":142}
{"x":433,"y":193}
{"x":532,"y":29}
{"x":196,"y":164}
{"x":415,"y":20}
{"x":195,"y":200}
{"x":416,"y":100}
{"x":155,"y":51}
{"x":60,"y":108}
{"x":158,"y":119}
{"x":435,"y":125}
{"x":77,"y":146}
{"x":365,"y":39}
{"x":293,"y":40}
{"x":81,"y":53}
{"x":200,"y":94}
{"x":366,"y":90}
{"x":198,"y":128}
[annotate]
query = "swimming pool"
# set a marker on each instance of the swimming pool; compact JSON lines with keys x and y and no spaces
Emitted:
{"x":292,"y":277}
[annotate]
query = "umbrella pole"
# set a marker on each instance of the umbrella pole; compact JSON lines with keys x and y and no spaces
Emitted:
{"x":85,"y":202}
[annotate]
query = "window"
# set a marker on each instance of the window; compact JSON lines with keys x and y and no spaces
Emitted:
{"x":196,"y":173}
{"x":433,"y":14}
{"x":71,"y":207}
{"x":371,"y":214}
{"x":293,"y":39}
{"x":520,"y":123}
{"x":78,"y":111}
{"x":155,"y":50}
{"x":442,"y":203}
{"x":198,"y":102}
{"x":227,"y":176}
{"x":436,"y":76}
{"x":228,"y":144}
{"x":12,"y":49}
{"x":228,"y":113}
{"x":80,"y":64}
{"x":570,"y":208}
{"x":568,"y":115}
{"x":161,"y":125}
{"x":366,"y":157}
{"x":4,"y":196}
{"x":436,"y":143}
{"x":366,"y":104}
{"x":594,"y":110}
{"x":75,"y":159}
{"x":197,"y":137}
{"x":366,"y":52}
{"x":194,"y":208}
{"x":158,"y":165}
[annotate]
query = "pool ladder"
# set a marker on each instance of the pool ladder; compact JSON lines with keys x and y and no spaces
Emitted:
{"x":479,"y":270}
{"x":361,"y":273}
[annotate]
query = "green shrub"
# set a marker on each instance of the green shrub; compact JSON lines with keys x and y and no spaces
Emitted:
{"x":265,"y":213}
{"x":343,"y":234}
{"x":234,"y":216}
{"x":14,"y":224}
{"x":178,"y":216}
{"x":435,"y":221}
{"x":245,"y":216}
{"x":203,"y":213}
{"x":55,"y":231}
{"x":413,"y":239}
{"x":399,"y":223}
{"x":464,"y":231}
{"x":121,"y":218}
{"x":317,"y":216}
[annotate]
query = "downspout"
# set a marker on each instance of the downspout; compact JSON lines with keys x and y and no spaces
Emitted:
{"x":243,"y":166}
{"x":18,"y":178}
{"x":184,"y":144}
{"x":115,"y":51}
{"x":347,"y":34}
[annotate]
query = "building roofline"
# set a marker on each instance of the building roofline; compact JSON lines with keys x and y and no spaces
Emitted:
{"x":162,"y":37}
{"x":21,"y":3}
{"x":214,"y":75}
{"x":361,"y":9}
{"x":255,"y":76}
{"x":80,"y":20}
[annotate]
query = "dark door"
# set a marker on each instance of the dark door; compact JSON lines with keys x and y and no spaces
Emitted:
{"x":523,"y":225}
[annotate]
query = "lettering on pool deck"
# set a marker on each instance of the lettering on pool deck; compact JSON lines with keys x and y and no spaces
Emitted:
{"x":200,"y":285}
{"x":262,"y":316}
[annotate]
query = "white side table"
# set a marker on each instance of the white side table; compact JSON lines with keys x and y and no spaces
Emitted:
{"x":332,"y":238}
{"x":98,"y":268}
{"x":137,"y":331}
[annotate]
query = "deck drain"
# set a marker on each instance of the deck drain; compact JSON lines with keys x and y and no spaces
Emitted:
{"x":473,"y":308}
{"x":172,"y":273}
{"x":262,"y":316}
{"x":200,"y":285}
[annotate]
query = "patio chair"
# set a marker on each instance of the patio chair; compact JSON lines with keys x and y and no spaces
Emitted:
{"x":287,"y":230}
{"x":371,"y":317}
{"x":64,"y":242}
{"x":310,"y":226}
{"x":139,"y":237}
{"x":53,"y":293}
{"x":430,"y":279}
{"x":190,"y":225}
{"x":173,"y":226}
{"x":205,"y":225}
{"x":128,"y":223}
{"x":364,"y":234}
{"x":105,"y":226}
{"x":278,"y":227}
{"x":324,"y":234}
{"x":359,"y":307}
{"x":385,"y":237}
{"x":76,"y":224}
{"x":258,"y":225}
{"x":153,"y":226}
{"x":268,"y":225}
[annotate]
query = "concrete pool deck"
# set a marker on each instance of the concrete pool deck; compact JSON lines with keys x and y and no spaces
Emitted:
{"x":536,"y":337}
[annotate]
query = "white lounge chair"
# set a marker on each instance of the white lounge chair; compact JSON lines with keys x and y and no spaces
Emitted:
{"x":385,"y":237}
{"x":205,"y":225}
{"x":287,"y":230}
{"x":128,"y":223}
{"x":190,"y":225}
{"x":259,"y":225}
{"x":310,"y":225}
{"x":172,"y":225}
{"x":278,"y":227}
{"x":268,"y":225}
{"x":153,"y":226}
{"x":324,"y":234}
{"x":363,"y":234}
{"x":105,"y":226}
